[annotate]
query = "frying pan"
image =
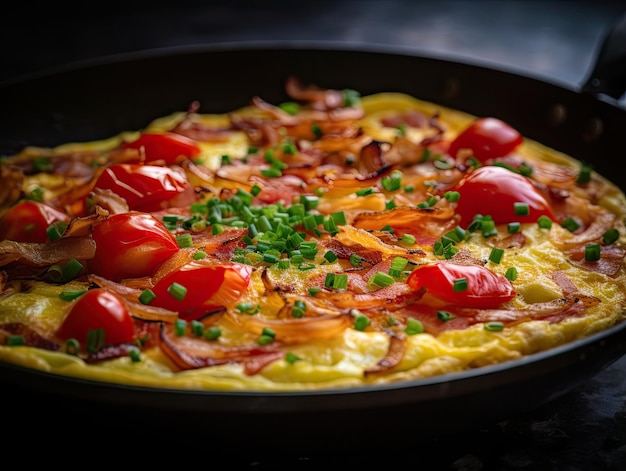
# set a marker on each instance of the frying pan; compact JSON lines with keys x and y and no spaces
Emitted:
{"x":97,"y":99}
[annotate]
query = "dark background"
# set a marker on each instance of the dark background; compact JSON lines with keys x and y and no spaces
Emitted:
{"x":556,"y":41}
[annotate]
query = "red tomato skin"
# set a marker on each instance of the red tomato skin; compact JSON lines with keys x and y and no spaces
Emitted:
{"x":488,"y":138}
{"x":130,"y":245}
{"x":209,"y":287}
{"x":144,"y":187}
{"x":98,"y":309}
{"x":493,"y":190}
{"x":167,"y":147}
{"x":485,"y":289}
{"x":27,"y":221}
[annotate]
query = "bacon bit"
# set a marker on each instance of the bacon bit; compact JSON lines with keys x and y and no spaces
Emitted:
{"x":189,"y":352}
{"x":610,"y":262}
{"x":344,"y":252}
{"x":31,"y":337}
{"x":259,"y":131}
{"x":464,"y":257}
{"x":392,"y":297}
{"x":81,"y":226}
{"x":393,"y":357}
{"x":513,"y":241}
{"x":296,"y":330}
{"x":47,"y":253}
{"x":564,"y":282}
{"x":353,"y":237}
{"x":371,"y":162}
{"x":109,"y":201}
{"x":430,"y":223}
{"x":109,"y":352}
{"x":320,"y":99}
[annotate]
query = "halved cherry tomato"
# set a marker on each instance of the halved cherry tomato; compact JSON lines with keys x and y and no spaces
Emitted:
{"x":493,"y":191}
{"x":485,"y":289}
{"x":144,"y":187}
{"x":130,"y":245}
{"x":488,"y":138}
{"x":167,"y":146}
{"x":205,"y":288}
{"x":27,"y":221}
{"x":98,"y":309}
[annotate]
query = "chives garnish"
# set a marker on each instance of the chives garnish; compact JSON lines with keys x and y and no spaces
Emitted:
{"x":544,"y":222}
{"x":610,"y":236}
{"x":364,"y":191}
{"x":408,"y":238}
{"x":71,"y":269}
{"x":361,"y":322}
{"x":494,"y":326}
{"x":248,"y":308}
{"x":317,"y":131}
{"x":511,"y":274}
{"x":413,"y":326}
{"x":355,"y":260}
{"x":313,"y":291}
{"x":71,"y":294}
{"x":291,"y":358}
{"x":460,"y":284}
{"x":592,"y":252}
{"x":15,"y":340}
{"x":146,"y":296}
{"x":521,"y":208}
{"x":584,"y":176}
{"x":290,"y":107}
{"x":513,"y":227}
{"x":212,"y":333}
{"x":267,"y":336}
{"x":380,"y":280}
{"x":134,"y":354}
{"x":184,"y":240}
{"x":570,"y":224}
{"x":299,"y":308}
{"x":444,"y":316}
{"x":180,"y":326}
{"x":177,"y":291}
{"x":72,"y":346}
{"x":95,"y":339}
{"x":330,"y":256}
{"x":271,"y":172}
{"x":340,"y":281}
{"x":452,"y":196}
{"x":199,"y":255}
{"x":53,"y":232}
{"x":55,"y":273}
{"x":197,"y":328}
{"x":496,"y":254}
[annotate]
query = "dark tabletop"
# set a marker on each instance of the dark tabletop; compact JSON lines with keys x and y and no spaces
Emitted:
{"x":585,"y":429}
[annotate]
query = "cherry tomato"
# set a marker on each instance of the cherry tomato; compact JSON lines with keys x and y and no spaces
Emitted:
{"x":168,"y":146}
{"x":205,"y":287}
{"x":27,"y":221}
{"x":493,"y":191}
{"x":144,"y":187}
{"x":485,"y":289}
{"x":488,"y":138}
{"x":130,"y":245}
{"x":98,"y":309}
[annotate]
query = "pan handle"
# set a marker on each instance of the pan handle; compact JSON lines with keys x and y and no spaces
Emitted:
{"x":608,"y":76}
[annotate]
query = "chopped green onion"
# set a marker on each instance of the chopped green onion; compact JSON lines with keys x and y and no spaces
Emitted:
{"x":72,"y":269}
{"x":71,"y":294}
{"x":364,"y":191}
{"x":592,"y":252}
{"x":248,"y":308}
{"x":95,"y":339}
{"x":212,"y":333}
{"x":521,"y":209}
{"x":408,"y":238}
{"x":199,"y":255}
{"x":496,"y":254}
{"x":452,"y":196}
{"x":184,"y":240}
{"x":584,"y":176}
{"x":330,"y":256}
{"x":570,"y":224}
{"x":299,"y":308}
{"x":134,"y":354}
{"x":291,"y":358}
{"x":544,"y":222}
{"x":177,"y":291}
{"x":15,"y":340}
{"x":610,"y":236}
{"x":147,"y":296}
{"x":380,"y":280}
{"x":72,"y":347}
{"x":313,"y":291}
{"x":494,"y":326}
{"x":361,"y":322}
{"x":180,"y":326}
{"x":197,"y":328}
{"x":511,"y":274}
{"x":413,"y":326}
{"x":460,"y":284}
{"x":513,"y":227}
{"x":444,"y":316}
{"x":290,"y":107}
